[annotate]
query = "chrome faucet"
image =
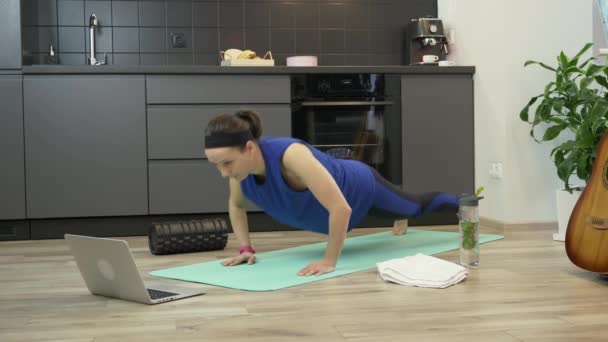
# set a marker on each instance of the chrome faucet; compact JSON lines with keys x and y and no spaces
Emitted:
{"x":92,"y":27}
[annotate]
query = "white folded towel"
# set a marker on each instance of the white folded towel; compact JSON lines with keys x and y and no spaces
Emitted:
{"x":422,"y":270}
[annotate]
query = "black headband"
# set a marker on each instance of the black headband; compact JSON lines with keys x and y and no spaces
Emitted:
{"x":221,"y":139}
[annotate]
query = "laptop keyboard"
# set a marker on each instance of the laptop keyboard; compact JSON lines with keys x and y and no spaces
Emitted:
{"x":156,"y":294}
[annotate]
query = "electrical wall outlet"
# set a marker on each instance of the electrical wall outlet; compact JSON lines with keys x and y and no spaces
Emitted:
{"x":496,"y":170}
{"x":178,"y":41}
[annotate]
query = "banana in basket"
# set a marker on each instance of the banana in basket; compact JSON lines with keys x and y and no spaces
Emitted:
{"x":236,"y":57}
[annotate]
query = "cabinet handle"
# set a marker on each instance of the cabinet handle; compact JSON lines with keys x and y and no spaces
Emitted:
{"x":345,"y":103}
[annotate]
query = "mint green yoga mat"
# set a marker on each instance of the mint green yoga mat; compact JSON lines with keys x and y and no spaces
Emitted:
{"x":277,"y":269}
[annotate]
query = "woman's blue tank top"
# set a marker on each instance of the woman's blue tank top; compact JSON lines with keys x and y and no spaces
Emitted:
{"x":300,"y":209}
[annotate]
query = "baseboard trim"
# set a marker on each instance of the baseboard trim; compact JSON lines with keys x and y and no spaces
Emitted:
{"x":38,"y":229}
{"x":14,"y":230}
{"x":131,"y":225}
{"x":491,"y":223}
{"x":501,"y":226}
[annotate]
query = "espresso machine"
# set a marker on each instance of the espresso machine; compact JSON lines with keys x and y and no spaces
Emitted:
{"x":425,"y":36}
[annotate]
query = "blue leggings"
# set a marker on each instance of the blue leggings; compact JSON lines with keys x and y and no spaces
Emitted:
{"x":390,"y":201}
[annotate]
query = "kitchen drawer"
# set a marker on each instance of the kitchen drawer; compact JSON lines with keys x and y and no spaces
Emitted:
{"x":187,"y":187}
{"x":176,"y":132}
{"x":168,"y":89}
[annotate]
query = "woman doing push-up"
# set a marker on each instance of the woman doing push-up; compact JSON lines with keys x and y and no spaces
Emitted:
{"x":300,"y":186}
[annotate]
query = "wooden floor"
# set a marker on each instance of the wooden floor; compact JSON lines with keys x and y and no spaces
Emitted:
{"x":524,"y":290}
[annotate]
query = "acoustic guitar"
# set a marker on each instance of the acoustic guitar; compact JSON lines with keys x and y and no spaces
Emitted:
{"x":587,"y":232}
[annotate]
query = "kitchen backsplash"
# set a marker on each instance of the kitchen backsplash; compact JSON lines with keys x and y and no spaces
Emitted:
{"x":149,"y":32}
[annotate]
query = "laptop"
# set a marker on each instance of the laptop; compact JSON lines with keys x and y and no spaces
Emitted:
{"x":108,"y":269}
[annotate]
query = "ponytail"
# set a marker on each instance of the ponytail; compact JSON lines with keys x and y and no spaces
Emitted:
{"x":233,"y":129}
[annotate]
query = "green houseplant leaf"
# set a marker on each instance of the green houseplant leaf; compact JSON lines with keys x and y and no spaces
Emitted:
{"x":576,"y":102}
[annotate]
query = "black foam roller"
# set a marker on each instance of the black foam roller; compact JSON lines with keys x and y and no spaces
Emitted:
{"x":188,"y":236}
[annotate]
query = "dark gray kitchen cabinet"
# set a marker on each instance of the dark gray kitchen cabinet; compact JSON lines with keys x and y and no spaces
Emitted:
{"x":194,"y":89}
{"x":12,"y":179}
{"x":85,"y":145}
{"x":10,"y":41}
{"x":438,"y":135}
{"x":181,"y":180}
{"x":186,"y":186}
{"x":177,"y":131}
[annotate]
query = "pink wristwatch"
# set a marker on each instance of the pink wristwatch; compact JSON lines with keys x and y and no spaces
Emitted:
{"x":244,"y":249}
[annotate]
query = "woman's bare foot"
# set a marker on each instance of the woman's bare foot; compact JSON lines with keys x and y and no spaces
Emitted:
{"x":400,"y":227}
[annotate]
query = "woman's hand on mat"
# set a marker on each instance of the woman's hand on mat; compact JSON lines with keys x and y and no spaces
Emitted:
{"x":317,"y":268}
{"x":239,"y":259}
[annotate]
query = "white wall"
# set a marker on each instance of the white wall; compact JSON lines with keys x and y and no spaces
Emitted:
{"x":497,"y":37}
{"x":599,"y":32}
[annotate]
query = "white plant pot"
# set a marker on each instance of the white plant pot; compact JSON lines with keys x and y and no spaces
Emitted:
{"x":565,"y":204}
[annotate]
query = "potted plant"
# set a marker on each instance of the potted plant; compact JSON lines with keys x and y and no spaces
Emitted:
{"x":575,"y":106}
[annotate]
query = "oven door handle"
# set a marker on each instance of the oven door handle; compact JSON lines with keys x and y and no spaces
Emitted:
{"x":345,"y":103}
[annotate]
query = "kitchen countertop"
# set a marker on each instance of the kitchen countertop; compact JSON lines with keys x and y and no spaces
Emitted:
{"x":279,"y":70}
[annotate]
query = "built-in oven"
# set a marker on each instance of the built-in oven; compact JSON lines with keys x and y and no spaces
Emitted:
{"x":351,"y":116}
